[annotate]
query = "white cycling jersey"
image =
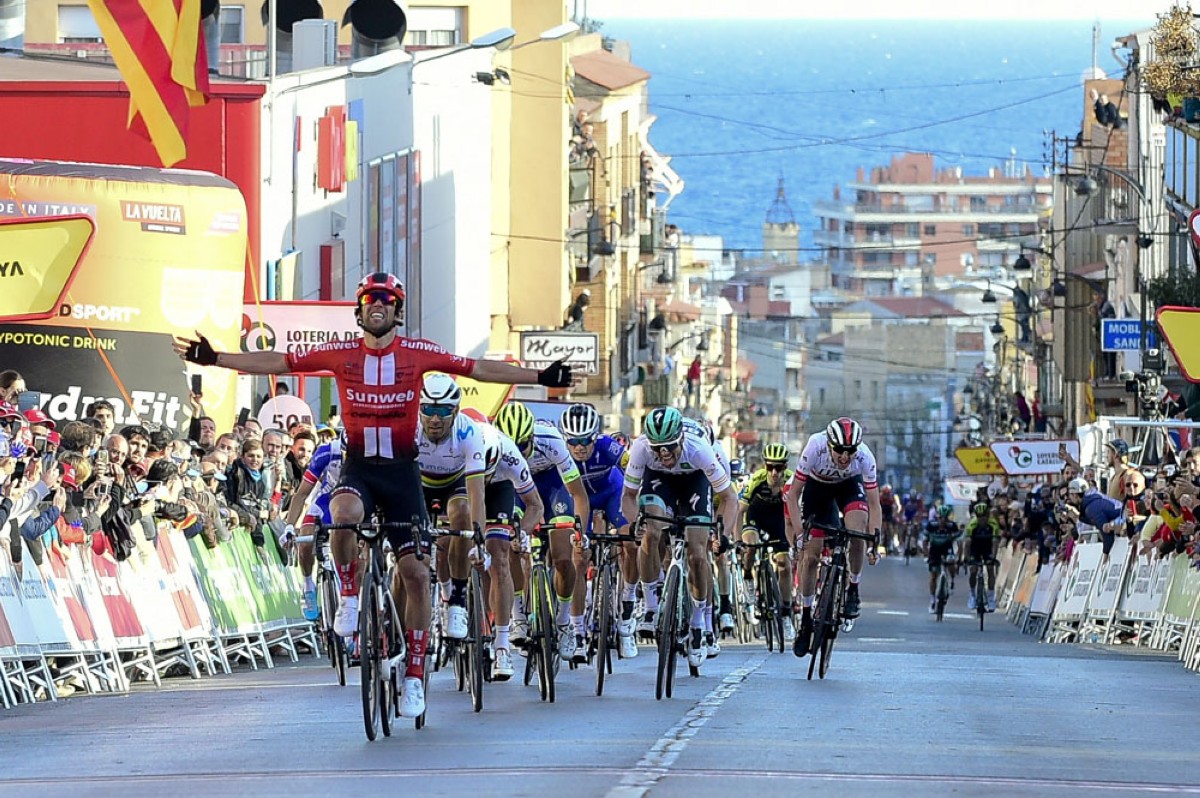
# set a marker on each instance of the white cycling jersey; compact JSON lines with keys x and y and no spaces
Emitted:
{"x":459,"y":453}
{"x":816,"y":462}
{"x":550,"y":451}
{"x":697,"y":454}
{"x":511,"y":467}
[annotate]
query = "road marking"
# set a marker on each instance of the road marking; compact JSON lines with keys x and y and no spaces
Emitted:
{"x":963,"y":615}
{"x":655,"y":763}
{"x":892,"y":612}
{"x":881,"y":639}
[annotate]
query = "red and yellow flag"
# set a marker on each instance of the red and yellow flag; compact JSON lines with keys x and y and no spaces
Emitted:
{"x":158,"y":46}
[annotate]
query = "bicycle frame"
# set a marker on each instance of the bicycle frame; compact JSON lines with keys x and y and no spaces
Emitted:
{"x":832,"y":579}
{"x":606,"y":596}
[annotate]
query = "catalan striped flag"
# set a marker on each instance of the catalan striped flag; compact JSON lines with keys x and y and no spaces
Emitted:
{"x":158,"y":46}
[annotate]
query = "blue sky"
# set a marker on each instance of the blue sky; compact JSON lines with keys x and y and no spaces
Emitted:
{"x":881,"y":9}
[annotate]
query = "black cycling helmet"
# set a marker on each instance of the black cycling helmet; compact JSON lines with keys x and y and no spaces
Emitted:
{"x":980,"y":508}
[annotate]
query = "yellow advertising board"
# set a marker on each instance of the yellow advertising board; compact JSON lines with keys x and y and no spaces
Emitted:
{"x":38,"y":259}
{"x":486,"y":397}
{"x":1181,"y":330}
{"x":168,"y":258}
{"x":978,"y":460}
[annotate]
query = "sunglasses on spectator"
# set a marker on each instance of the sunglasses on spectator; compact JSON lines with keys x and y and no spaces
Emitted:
{"x":438,"y":411}
{"x":584,"y":440}
{"x":377,"y":296}
{"x":659,"y":448}
{"x":844,"y":449}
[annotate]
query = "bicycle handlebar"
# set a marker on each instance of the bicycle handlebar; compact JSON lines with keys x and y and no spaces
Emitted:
{"x":550,"y":526}
{"x":613,"y":538}
{"x":673,"y":523}
{"x":841,"y":531}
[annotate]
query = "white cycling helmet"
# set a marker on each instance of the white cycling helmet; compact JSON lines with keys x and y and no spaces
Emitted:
{"x":579,"y":421}
{"x":440,"y":389}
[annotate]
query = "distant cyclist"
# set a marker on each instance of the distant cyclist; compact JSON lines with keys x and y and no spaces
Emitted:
{"x":982,"y":534}
{"x":763,"y":522}
{"x":941,"y":535}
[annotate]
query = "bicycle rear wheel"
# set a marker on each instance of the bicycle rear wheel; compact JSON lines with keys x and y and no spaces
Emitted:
{"x":980,"y":598}
{"x":334,"y":644}
{"x":604,"y":625}
{"x":776,"y":602}
{"x":668,"y":635}
{"x":943,"y":592}
{"x":368,"y":652}
{"x":826,"y":655}
{"x":475,"y":639}
{"x":825,"y":620}
{"x":388,"y":684}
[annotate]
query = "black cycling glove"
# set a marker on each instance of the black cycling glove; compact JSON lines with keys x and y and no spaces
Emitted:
{"x":201,"y":352}
{"x":556,"y":375}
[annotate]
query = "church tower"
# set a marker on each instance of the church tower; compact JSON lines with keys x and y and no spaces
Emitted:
{"x":780,"y":233}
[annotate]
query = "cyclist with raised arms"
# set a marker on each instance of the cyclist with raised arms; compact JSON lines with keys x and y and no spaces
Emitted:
{"x":379,"y":381}
{"x":676,"y":474}
{"x":598,"y":458}
{"x":564,"y":497}
{"x":763,"y":522}
{"x":836,"y":476}
{"x":940,"y":535}
{"x":319,"y":480}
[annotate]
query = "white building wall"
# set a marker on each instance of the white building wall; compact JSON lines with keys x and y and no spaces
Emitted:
{"x":453,"y":132}
{"x":291,"y":108}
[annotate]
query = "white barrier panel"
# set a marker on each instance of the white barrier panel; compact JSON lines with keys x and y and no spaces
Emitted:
{"x":52,"y":634}
{"x":1146,"y":589}
{"x":1046,"y":589}
{"x":1108,"y":584}
{"x":1077,"y":582}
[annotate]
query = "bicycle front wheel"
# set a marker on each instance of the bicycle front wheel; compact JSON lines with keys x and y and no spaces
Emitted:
{"x":335,"y":645}
{"x":368,"y":653}
{"x":604,"y":625}
{"x":475,"y":639}
{"x":389,"y":689}
{"x":668,"y":635}
{"x":547,"y":643}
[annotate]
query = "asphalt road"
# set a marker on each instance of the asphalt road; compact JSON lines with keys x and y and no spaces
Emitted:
{"x":910,"y":707}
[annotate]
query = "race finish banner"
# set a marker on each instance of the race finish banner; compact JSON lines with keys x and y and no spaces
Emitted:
{"x":1020,"y":458}
{"x":168,"y":258}
{"x":978,"y":461}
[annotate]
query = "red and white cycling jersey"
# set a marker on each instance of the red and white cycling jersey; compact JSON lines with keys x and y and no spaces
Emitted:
{"x":380,"y":390}
{"x":817,"y":463}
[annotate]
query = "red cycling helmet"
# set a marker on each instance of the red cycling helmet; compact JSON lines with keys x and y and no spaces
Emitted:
{"x":380,"y":281}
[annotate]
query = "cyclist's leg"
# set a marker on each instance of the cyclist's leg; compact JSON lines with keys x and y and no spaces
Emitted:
{"x":458,"y":518}
{"x":853,"y":500}
{"x":500,"y":501}
{"x":350,"y":504}
{"x":655,"y":496}
{"x":627,"y":558}
{"x":991,"y":573}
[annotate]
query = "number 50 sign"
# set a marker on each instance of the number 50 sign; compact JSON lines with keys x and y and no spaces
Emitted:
{"x":283,"y":411}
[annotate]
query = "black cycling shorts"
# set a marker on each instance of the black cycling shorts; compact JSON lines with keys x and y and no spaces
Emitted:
{"x":979,"y":548}
{"x":825,"y":502}
{"x":688,"y":495}
{"x":439,"y":498}
{"x":769,"y":525}
{"x":392,"y":486}
{"x":937,"y":551}
{"x":500,"y":504}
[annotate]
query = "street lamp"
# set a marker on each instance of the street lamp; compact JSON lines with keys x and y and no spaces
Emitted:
{"x":500,"y":39}
{"x":559,"y":33}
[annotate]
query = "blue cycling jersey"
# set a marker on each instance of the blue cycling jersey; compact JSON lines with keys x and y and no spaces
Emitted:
{"x":606,"y":456}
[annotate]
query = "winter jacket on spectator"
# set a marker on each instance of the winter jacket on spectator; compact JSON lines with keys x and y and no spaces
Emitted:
{"x":1102,"y":511}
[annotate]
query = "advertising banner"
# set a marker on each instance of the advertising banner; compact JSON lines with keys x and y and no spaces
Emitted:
{"x":1112,"y":573}
{"x":1185,"y":583}
{"x":962,"y":491}
{"x":127,"y":629}
{"x":1033,"y":457}
{"x":225,"y":587}
{"x":38,"y":260}
{"x":582,"y":350}
{"x":1077,"y":582}
{"x":168,"y":258}
{"x":1046,"y":589}
{"x":175,"y":579}
{"x":24,"y":635}
{"x":978,"y":461}
{"x":1140,"y":601}
{"x":68,"y":600}
{"x":52,"y":633}
{"x":296,"y":327}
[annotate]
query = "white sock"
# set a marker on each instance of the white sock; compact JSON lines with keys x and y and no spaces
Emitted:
{"x":629,"y":591}
{"x":501,"y":636}
{"x":650,"y":595}
{"x":519,"y":613}
{"x":577,"y":622}
{"x":698,"y":608}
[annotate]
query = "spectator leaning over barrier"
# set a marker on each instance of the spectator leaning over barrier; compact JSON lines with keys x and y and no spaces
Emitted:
{"x":246,"y":492}
{"x":1103,"y":512}
{"x":103,"y":411}
{"x":209,"y":495}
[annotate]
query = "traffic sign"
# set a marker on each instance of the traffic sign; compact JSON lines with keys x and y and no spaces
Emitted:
{"x":1034,"y":457}
{"x":978,"y":461}
{"x":1181,"y":329}
{"x":1124,"y":335}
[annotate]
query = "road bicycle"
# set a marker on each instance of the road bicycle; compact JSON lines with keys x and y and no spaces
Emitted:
{"x":941,"y":590}
{"x":381,"y":648}
{"x":832,"y":580}
{"x":471,"y":656}
{"x":328,"y":589}
{"x":675,"y":606}
{"x":741,"y":598}
{"x":541,"y":646}
{"x":979,"y":564}
{"x":606,"y":600}
{"x":768,"y":604}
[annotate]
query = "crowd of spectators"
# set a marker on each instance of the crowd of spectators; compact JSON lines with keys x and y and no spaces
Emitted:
{"x":1153,"y":507}
{"x":94,"y":482}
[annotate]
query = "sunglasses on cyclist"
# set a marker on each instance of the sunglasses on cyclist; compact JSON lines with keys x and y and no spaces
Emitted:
{"x":659,"y":448}
{"x":844,"y":449}
{"x":776,"y":468}
{"x":438,"y":411}
{"x":585,"y":440}
{"x":377,"y":296}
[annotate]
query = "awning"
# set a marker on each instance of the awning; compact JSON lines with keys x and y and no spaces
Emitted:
{"x":682,"y":311}
{"x":661,"y":171}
